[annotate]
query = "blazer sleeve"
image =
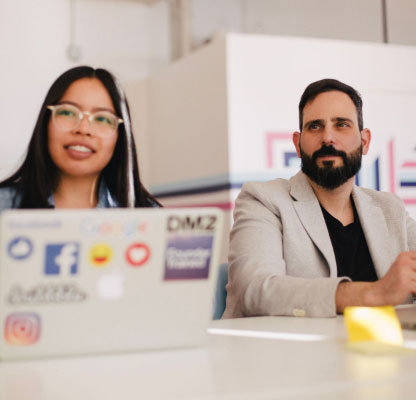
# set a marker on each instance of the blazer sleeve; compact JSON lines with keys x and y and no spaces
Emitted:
{"x":411,"y":232}
{"x":258,"y":283}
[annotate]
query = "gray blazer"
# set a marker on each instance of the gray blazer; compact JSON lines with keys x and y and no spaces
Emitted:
{"x":281,"y":260}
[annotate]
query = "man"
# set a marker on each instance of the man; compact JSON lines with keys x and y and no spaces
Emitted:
{"x":314,"y":244}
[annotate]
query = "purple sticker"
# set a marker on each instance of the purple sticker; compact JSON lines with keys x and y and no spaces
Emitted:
{"x":188,"y":257}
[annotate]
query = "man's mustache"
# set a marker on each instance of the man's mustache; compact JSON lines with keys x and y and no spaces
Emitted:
{"x":328,"y":151}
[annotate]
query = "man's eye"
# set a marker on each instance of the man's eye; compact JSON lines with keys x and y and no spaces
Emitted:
{"x":343,"y":124}
{"x":314,"y":127}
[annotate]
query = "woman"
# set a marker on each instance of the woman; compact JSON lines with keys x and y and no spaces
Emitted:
{"x":82,"y":152}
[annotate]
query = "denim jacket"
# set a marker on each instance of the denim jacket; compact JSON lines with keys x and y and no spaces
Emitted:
{"x":9,"y":200}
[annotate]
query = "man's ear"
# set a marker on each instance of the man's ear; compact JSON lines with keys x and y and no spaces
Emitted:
{"x":365,"y":140}
{"x":296,"y":141}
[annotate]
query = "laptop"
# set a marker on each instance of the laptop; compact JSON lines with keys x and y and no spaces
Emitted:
{"x":407,"y":315}
{"x":76,"y":282}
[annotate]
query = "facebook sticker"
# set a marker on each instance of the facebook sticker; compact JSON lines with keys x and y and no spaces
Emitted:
{"x":62,"y":258}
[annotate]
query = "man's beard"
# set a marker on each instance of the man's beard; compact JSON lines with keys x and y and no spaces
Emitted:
{"x":328,"y":176}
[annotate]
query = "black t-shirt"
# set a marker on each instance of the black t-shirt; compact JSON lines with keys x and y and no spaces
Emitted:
{"x":350,"y":248}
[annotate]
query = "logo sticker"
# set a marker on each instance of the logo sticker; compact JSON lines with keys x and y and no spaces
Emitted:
{"x":100,"y":255}
{"x":137,"y":254}
{"x":22,"y":329}
{"x":203,"y":223}
{"x":92,"y":226}
{"x":20,"y":248}
{"x":111,"y":286}
{"x":47,"y":294}
{"x":62,"y":258}
{"x":188,"y":257}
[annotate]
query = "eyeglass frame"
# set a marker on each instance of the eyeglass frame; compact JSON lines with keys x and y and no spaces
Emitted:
{"x":89,"y":115}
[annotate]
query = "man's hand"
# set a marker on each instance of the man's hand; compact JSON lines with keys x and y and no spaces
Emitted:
{"x":399,"y":282}
{"x":392,"y":289}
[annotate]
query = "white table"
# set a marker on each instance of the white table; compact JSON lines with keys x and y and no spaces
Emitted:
{"x":306,"y":360}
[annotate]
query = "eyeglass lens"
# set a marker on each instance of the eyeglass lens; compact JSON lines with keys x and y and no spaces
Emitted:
{"x":68,"y":117}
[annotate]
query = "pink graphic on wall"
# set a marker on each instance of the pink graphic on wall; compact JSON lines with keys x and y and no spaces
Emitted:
{"x":271,"y":138}
{"x":409,"y":167}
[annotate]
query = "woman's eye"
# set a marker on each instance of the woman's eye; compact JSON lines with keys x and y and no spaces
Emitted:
{"x":65,"y":113}
{"x":102,"y":119}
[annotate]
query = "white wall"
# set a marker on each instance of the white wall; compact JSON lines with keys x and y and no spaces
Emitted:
{"x":127,"y":37}
{"x":31,"y":56}
{"x":188,"y":118}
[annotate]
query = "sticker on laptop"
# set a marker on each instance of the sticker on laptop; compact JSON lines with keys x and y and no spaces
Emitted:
{"x":95,"y":226}
{"x":61,"y":258}
{"x":191,"y":223}
{"x":138,"y":254}
{"x":188,"y":257}
{"x":100,"y":255}
{"x":22,"y":328}
{"x":20,"y":248}
{"x":110,"y":286}
{"x":46,"y":293}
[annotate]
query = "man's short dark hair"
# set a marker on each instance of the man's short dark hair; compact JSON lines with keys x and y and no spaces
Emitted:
{"x":329,"y":85}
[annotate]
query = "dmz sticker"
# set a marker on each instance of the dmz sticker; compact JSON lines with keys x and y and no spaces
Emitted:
{"x":22,"y":328}
{"x":188,"y":257}
{"x":61,"y":258}
{"x":20,"y":248}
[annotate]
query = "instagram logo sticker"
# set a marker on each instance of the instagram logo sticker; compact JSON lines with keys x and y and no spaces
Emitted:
{"x":22,"y":329}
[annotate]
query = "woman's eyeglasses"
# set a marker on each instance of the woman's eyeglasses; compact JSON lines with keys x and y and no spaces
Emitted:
{"x":67,"y":117}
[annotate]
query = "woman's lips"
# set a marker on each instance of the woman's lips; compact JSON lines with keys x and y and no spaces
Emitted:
{"x":79,"y":151}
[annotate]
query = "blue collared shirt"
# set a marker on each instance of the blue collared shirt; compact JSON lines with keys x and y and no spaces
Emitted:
{"x":8,"y":198}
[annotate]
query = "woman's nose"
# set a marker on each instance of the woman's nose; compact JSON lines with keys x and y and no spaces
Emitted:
{"x":84,"y":126}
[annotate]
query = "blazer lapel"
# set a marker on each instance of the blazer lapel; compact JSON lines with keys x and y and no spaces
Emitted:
{"x":310,"y":214}
{"x":375,"y":231}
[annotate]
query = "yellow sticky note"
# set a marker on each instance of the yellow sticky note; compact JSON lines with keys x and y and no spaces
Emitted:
{"x":375,"y":325}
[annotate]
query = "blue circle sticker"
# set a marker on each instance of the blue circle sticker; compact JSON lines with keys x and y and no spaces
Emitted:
{"x":20,"y":248}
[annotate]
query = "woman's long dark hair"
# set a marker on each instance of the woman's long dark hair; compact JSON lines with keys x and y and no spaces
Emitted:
{"x":38,"y":177}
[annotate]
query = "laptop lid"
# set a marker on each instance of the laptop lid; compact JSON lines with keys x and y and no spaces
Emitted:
{"x":407,"y":315}
{"x":95,"y":281}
